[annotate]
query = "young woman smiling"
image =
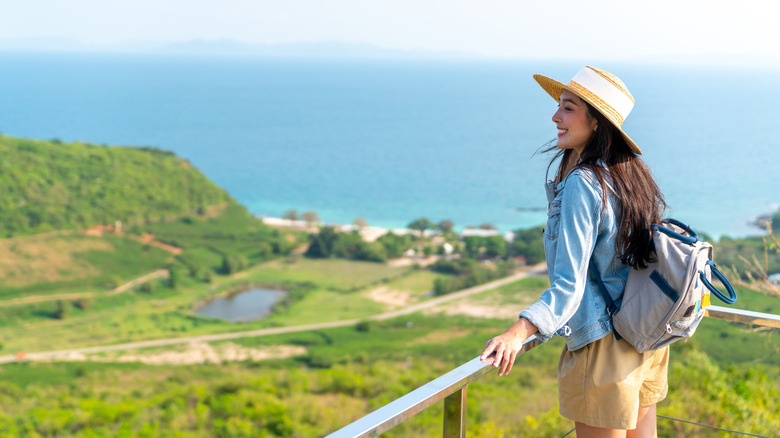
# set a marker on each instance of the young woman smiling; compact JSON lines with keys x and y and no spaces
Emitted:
{"x":602,"y":204}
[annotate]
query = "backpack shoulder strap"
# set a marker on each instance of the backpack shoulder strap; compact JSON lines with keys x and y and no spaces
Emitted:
{"x":612,"y":308}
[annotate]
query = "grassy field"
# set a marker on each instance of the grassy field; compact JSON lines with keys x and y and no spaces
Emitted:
{"x":343,"y":373}
{"x":334,"y":274}
{"x":166,"y":312}
{"x":356,"y":368}
{"x":350,"y":371}
{"x":334,"y":290}
{"x":72,"y":261}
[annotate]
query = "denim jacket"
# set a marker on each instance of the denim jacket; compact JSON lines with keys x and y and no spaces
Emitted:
{"x":579,"y":230}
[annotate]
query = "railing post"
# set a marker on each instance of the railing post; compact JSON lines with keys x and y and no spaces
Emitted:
{"x":455,"y":414}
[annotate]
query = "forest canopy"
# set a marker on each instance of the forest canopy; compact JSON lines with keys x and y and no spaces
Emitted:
{"x":50,"y":185}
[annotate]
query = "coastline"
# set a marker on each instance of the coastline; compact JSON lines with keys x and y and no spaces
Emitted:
{"x":372,"y":233}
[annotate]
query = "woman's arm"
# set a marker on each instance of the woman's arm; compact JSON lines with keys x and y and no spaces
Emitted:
{"x":580,"y":211}
{"x":504,"y":348}
{"x":578,"y":228}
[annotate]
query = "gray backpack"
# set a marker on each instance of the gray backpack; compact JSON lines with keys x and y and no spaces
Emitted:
{"x":665,"y":302}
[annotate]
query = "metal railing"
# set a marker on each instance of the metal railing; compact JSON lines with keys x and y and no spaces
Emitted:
{"x":451,"y":387}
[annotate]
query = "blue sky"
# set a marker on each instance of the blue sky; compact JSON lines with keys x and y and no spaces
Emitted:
{"x":565,"y":29}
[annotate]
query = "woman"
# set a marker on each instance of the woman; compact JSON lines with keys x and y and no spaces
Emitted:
{"x":602,"y":204}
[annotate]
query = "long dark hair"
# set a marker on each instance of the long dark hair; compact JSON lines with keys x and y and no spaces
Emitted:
{"x":642,"y":203}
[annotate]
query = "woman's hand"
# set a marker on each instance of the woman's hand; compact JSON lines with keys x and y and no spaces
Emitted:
{"x":504,"y":347}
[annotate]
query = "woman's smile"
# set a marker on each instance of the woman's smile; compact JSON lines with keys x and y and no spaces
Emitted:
{"x":575,"y":125}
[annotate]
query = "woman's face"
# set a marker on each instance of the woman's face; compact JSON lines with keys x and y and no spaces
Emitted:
{"x":575,"y":125}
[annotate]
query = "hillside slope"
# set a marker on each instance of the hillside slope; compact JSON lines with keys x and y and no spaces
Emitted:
{"x":48,"y":185}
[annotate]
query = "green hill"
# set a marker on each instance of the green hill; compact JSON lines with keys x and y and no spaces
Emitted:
{"x":49,"y":185}
{"x":59,"y":204}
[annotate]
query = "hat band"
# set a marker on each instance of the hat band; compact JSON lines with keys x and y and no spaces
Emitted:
{"x":611,"y":113}
{"x":598,"y":84}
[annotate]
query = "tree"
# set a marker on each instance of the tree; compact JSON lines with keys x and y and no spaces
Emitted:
{"x":445,"y":226}
{"x":232,"y":264}
{"x":495,"y":246}
{"x":323,"y":244}
{"x":487,"y":226}
{"x":195,"y":269}
{"x":360,"y":223}
{"x":473,"y":246}
{"x":311,"y":217}
{"x":291,"y":215}
{"x":173,"y":278}
{"x":528,"y":243}
{"x":420,"y":225}
{"x":395,"y":244}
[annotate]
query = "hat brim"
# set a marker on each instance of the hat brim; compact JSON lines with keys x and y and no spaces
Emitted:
{"x":555,"y":88}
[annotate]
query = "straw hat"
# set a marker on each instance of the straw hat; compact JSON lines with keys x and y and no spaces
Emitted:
{"x":603,"y":90}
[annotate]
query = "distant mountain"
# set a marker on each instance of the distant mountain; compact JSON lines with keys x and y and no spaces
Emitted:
{"x":44,"y":45}
{"x":200,"y":47}
{"x":333,"y":49}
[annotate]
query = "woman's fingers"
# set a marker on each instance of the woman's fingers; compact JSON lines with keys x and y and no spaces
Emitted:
{"x":505,"y":347}
{"x":489,"y":348}
{"x":506,"y":363}
{"x":503,"y":352}
{"x":510,"y":361}
{"x":505,"y":359}
{"x":499,"y":355}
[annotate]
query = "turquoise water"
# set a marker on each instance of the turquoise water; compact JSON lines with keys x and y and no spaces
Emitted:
{"x":390,"y":141}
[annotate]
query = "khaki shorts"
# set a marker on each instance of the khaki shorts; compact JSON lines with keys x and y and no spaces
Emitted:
{"x":604,"y":383}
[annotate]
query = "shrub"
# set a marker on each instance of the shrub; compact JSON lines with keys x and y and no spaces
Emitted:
{"x":370,"y":251}
{"x":83,"y":303}
{"x":363,"y":326}
{"x":61,"y":309}
{"x":148,"y":287}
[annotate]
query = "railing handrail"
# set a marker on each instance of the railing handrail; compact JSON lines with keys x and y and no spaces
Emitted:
{"x":743,"y":316}
{"x":413,"y":402}
{"x":442,"y":387}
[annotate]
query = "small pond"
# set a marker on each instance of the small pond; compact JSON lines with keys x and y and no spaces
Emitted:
{"x":243,"y":306}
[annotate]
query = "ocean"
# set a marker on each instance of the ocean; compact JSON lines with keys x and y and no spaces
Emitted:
{"x":394,"y":140}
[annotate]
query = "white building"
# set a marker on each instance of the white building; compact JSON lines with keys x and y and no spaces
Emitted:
{"x":479,"y":232}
